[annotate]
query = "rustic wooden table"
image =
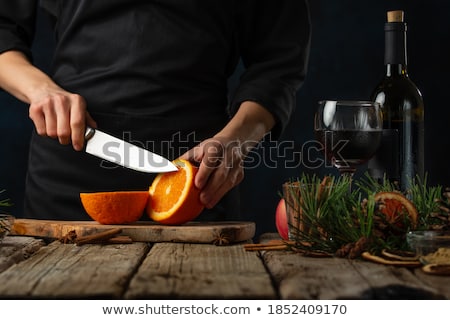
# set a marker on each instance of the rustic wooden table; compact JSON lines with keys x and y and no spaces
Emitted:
{"x":31,"y":268}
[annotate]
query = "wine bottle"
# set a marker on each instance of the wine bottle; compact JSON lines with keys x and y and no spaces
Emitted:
{"x":400,"y":158}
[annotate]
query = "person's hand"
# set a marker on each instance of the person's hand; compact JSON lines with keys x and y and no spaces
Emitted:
{"x":61,"y":115}
{"x":220,"y":162}
{"x":221,"y":158}
{"x":55,"y":112}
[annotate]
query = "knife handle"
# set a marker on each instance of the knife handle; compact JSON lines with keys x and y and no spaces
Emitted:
{"x":89,"y":133}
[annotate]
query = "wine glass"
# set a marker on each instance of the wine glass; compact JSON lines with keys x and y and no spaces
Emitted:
{"x":349,"y":131}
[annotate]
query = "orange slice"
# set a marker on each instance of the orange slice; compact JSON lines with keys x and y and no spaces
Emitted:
{"x":174,"y":199}
{"x":115,"y":207}
{"x":396,"y":207}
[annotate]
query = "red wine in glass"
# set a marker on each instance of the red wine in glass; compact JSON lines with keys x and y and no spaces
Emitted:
{"x":347,"y":149}
{"x":349,"y":131}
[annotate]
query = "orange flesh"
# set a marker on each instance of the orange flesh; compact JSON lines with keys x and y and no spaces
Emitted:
{"x":169,"y":191}
{"x":393,"y":207}
{"x":174,"y":199}
{"x":396,"y":205}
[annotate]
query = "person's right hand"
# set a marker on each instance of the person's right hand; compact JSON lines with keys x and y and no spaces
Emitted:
{"x":55,"y":112}
{"x":61,"y":115}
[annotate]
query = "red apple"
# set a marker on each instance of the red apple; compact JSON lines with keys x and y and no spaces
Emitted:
{"x":281,"y":220}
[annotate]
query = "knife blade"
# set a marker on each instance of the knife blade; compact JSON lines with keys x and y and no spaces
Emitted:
{"x":115,"y":150}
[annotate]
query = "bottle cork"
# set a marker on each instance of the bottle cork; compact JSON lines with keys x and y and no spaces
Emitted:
{"x":395,"y":16}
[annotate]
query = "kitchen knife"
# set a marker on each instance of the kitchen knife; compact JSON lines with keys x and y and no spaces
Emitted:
{"x":123,"y":153}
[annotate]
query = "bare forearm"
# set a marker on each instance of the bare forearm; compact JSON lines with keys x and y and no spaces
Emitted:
{"x":249,"y":125}
{"x":56,"y":113}
{"x":20,"y":78}
{"x":221,"y":157}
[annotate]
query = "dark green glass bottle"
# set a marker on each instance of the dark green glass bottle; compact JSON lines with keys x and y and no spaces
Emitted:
{"x":401,"y":155}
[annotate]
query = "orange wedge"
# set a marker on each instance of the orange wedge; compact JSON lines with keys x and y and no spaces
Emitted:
{"x":116,"y":207}
{"x":396,"y":207}
{"x":174,"y":199}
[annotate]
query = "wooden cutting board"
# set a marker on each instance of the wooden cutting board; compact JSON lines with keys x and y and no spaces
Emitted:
{"x":143,"y":231}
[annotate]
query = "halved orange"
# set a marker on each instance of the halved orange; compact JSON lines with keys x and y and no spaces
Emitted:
{"x":174,"y":199}
{"x":396,"y":207}
{"x":115,"y":207}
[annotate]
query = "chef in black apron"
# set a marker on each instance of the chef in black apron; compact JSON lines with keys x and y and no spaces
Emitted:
{"x":155,"y":73}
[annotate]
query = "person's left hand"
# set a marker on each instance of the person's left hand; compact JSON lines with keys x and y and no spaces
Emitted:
{"x":220,"y":161}
{"x":221,"y":158}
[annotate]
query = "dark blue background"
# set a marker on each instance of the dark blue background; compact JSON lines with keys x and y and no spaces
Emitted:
{"x":346,"y":62}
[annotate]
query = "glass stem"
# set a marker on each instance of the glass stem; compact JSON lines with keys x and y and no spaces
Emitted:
{"x":348,"y":173}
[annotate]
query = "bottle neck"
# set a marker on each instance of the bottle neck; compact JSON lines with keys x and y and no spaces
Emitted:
{"x":393,"y":70}
{"x":395,"y":55}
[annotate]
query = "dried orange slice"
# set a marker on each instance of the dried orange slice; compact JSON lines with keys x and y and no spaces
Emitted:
{"x":174,"y":199}
{"x":396,"y":207}
{"x":115,"y":207}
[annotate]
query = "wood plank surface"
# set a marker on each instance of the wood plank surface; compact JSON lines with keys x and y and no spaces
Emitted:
{"x":145,"y":231}
{"x":16,"y":249}
{"x":70,"y":271}
{"x":440,"y":283}
{"x":300,"y":277}
{"x":390,"y":282}
{"x":31,"y":269}
{"x":196,"y":271}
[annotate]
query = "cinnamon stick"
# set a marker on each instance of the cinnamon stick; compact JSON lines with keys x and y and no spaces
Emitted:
{"x":113,"y":240}
{"x":270,"y":245}
{"x":437,"y":269}
{"x":399,"y":263}
{"x":120,"y":240}
{"x":97,"y":237}
{"x":266,"y":248}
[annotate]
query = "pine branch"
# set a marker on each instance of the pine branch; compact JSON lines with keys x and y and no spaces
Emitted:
{"x":4,"y":219}
{"x":332,"y":219}
{"x":4,"y":202}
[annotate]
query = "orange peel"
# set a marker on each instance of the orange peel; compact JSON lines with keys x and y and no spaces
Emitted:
{"x":395,"y":205}
{"x":115,"y":207}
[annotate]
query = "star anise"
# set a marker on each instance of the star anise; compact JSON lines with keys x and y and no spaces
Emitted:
{"x":69,"y":237}
{"x":221,"y":239}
